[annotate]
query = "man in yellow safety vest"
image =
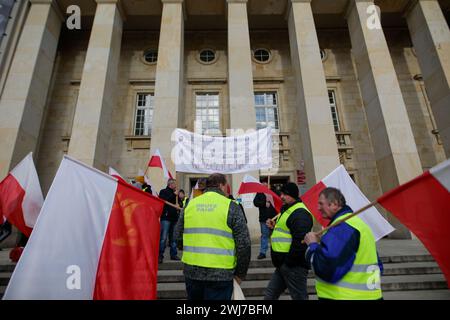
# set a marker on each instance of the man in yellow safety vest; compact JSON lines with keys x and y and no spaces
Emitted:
{"x":216,"y":243}
{"x":344,"y":259}
{"x":288,"y":252}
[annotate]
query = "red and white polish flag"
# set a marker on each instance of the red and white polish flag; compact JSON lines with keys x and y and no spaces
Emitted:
{"x":354,"y":197}
{"x":21,"y":196}
{"x":96,"y":238}
{"x":157,"y":161}
{"x":252,"y":185}
{"x":422,"y":205}
{"x":115,"y":174}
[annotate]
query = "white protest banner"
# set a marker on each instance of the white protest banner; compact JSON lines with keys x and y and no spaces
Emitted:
{"x":195,"y":153}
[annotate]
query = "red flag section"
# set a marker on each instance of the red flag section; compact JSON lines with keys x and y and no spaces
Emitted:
{"x":128,"y":263}
{"x":310,"y":199}
{"x":157,"y":161}
{"x":252,"y":185}
{"x":11,"y":199}
{"x":422,"y":205}
{"x":21,"y":196}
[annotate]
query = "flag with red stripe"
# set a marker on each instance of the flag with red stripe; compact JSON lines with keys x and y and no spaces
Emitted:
{"x":21,"y":196}
{"x":354,"y":197}
{"x":422,"y":205}
{"x":96,"y":238}
{"x":251,"y":185}
{"x":157,"y":161}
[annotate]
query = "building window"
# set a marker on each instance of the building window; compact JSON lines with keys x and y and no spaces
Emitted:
{"x":150,"y":56}
{"x":266,"y":105}
{"x":144,"y":114}
{"x":207,"y":56}
{"x":208,"y":113}
{"x":334,"y":110}
{"x":262,"y":55}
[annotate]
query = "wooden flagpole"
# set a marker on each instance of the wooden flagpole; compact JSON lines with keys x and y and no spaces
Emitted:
{"x":370,"y":205}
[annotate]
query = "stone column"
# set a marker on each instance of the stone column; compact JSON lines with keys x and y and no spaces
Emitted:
{"x":390,"y":130}
{"x":431,"y":38}
{"x":91,"y":129}
{"x":241,"y":93}
{"x":169,"y":86}
{"x":24,"y":98}
{"x":318,"y":138}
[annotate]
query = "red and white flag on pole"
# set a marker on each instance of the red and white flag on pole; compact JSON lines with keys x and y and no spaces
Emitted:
{"x":251,"y":185}
{"x":96,"y":238}
{"x":354,"y":197}
{"x":115,"y":174}
{"x":157,"y":161}
{"x":422,"y":205}
{"x":21,"y":196}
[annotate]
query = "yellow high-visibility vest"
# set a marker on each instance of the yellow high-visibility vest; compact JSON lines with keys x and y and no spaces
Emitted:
{"x":207,"y":239}
{"x":363,"y":281}
{"x":281,"y":238}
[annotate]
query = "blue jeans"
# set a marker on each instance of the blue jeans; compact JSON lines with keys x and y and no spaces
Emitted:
{"x":167,"y":228}
{"x":209,"y":290}
{"x":265,"y":235}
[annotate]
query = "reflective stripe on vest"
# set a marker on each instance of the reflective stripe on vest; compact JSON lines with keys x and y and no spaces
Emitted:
{"x":363,"y":281}
{"x":281,"y":238}
{"x":207,"y":239}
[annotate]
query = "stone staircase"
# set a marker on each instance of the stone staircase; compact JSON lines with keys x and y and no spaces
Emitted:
{"x":405,"y":277}
{"x":409,"y":273}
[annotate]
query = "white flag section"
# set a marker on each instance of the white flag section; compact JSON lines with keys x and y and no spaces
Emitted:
{"x":195,"y":153}
{"x":76,"y":211}
{"x":114,"y":173}
{"x":340,"y":179}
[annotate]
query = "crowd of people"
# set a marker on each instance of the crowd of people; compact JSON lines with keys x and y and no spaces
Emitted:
{"x":212,"y":231}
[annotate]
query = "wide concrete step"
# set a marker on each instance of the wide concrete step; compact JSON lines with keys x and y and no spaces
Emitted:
{"x":257,"y":287}
{"x":409,"y":268}
{"x":267,"y":263}
{"x":391,"y":295}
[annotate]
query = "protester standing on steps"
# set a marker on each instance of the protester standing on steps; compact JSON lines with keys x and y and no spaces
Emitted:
{"x":266,"y":211}
{"x":169,"y":219}
{"x":344,"y":259}
{"x":288,"y":252}
{"x":216,"y":242}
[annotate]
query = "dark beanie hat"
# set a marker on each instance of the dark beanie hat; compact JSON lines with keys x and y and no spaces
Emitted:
{"x":291,"y":189}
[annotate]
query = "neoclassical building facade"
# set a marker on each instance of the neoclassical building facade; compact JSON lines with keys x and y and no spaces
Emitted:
{"x":340,"y":85}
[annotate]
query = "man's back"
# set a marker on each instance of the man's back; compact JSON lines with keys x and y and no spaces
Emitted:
{"x":235,"y":223}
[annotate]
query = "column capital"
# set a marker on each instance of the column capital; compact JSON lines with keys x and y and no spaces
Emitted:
{"x":54,"y":5}
{"x":409,"y":7}
{"x":351,"y":4}
{"x":181,"y":2}
{"x":228,"y":2}
{"x":289,"y":7}
{"x":119,"y":5}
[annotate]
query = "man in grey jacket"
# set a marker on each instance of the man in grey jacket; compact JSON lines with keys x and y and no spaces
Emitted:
{"x":209,"y":271}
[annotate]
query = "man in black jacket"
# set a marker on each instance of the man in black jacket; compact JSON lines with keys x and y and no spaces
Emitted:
{"x":288,"y":252}
{"x":169,"y":219}
{"x":266,"y":211}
